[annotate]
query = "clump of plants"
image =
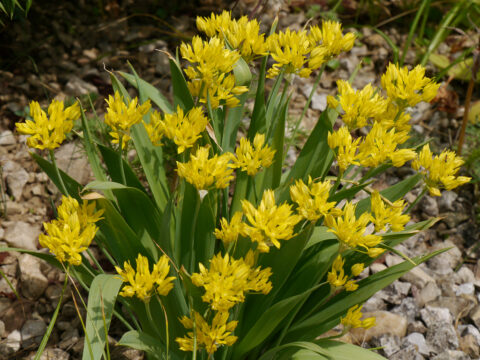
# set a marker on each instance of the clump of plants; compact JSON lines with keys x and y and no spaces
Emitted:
{"x":233,"y":255}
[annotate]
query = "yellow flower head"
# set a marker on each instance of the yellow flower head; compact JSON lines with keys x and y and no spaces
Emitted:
{"x":269,"y":223}
{"x":229,"y":232}
{"x":359,"y":106}
{"x":121,"y":117}
{"x":439,"y":171}
{"x":353,"y":319}
{"x":72,"y":232}
{"x":349,"y":230}
{"x":408,"y":88}
{"x":141,"y":282}
{"x":388,"y":214}
{"x":204,"y":172}
{"x":312,"y":199}
{"x":329,"y":42}
{"x":211,"y":71}
{"x":183,"y":129}
{"x":48,"y":131}
{"x":347,"y":147}
{"x":242,"y":34}
{"x":289,"y":49}
{"x":395,"y":118}
{"x":227,"y":280}
{"x":252,"y":158}
{"x":209,"y":337}
{"x":337,"y":277}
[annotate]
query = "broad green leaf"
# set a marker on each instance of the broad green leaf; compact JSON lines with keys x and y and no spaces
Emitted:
{"x":101,"y":302}
{"x":150,"y":92}
{"x":142,"y":341}
{"x":181,"y":94}
{"x":257,"y":123}
{"x":342,"y":351}
{"x":204,"y":242}
{"x":232,"y":123}
{"x":310,"y":346}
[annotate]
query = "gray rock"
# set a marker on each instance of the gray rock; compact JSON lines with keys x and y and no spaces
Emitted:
{"x":433,"y":315}
{"x":319,"y":100}
{"x":76,"y":86}
{"x":440,"y":336}
{"x":73,"y":161}
{"x":459,"y":306}
{"x":375,"y":303}
{"x":428,"y":293}
{"x":464,"y":275}
{"x":475,"y":316}
{"x":16,"y":177}
{"x":429,"y":206}
{"x":417,"y":277}
{"x":416,"y":326}
{"x":407,"y":308}
{"x":32,"y":279}
{"x":469,"y":330}
{"x":390,"y":344}
{"x":2,"y":329}
{"x":11,"y":344}
{"x":417,"y":340}
{"x":395,"y":292}
{"x":407,"y":353}
{"x":32,"y":332}
{"x":444,"y":263}
{"x":451,"y":355}
{"x":469,"y":345}
{"x":446,"y":201}
{"x":377,"y":267}
{"x":22,"y":235}
{"x":465,"y":289}
{"x":7,"y":138}
{"x":51,"y":353}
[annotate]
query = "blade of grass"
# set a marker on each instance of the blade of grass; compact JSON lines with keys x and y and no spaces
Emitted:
{"x":413,"y":27}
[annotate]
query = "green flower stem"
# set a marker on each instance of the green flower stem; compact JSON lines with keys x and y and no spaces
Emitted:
{"x":417,"y":200}
{"x":45,"y":338}
{"x":120,"y":152}
{"x":304,"y":111}
{"x":192,"y":235}
{"x":150,"y":318}
{"x":63,"y":188}
{"x":95,"y":261}
{"x":167,"y":337}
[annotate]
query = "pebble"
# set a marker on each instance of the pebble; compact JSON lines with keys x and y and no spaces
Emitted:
{"x":428,"y":293}
{"x":452,"y":355}
{"x":32,"y":279}
{"x":16,"y":177}
{"x":11,"y":344}
{"x":22,"y":235}
{"x":53,"y":353}
{"x":418,"y":340}
{"x":433,"y":315}
{"x":390,"y":344}
{"x":7,"y":138}
{"x":465,"y":289}
{"x":442,"y":335}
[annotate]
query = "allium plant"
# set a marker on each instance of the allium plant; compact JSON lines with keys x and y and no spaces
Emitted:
{"x":233,"y":254}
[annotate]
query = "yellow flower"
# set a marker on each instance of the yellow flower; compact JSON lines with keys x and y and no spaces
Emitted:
{"x":390,"y":214}
{"x":183,"y":129}
{"x":357,"y":269}
{"x":349,"y":230}
{"x":121,"y":117}
{"x":380,"y":145}
{"x":142,"y":283}
{"x":269,"y":223}
{"x":439,"y":171}
{"x":48,"y":132}
{"x":289,"y":49}
{"x":353,"y":319}
{"x":395,"y":118}
{"x":72,"y":232}
{"x":347,"y":147}
{"x":252,"y":158}
{"x":227,"y":280}
{"x":337,"y":278}
{"x":408,"y":87}
{"x":204,"y":173}
{"x":208,"y":337}
{"x":329,"y":42}
{"x":242,"y":34}
{"x":359,"y":106}
{"x":312,"y":199}
{"x":230,"y":231}
{"x":210,"y":72}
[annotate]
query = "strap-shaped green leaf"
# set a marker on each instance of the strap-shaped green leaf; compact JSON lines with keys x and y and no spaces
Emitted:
{"x":181,"y":94}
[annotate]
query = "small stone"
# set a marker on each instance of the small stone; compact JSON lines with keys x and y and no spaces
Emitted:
{"x":409,"y":352}
{"x":2,"y":329}
{"x":11,"y":344}
{"x":429,"y":206}
{"x":22,"y":235}
{"x":465,"y":289}
{"x":428,"y":293}
{"x":432,"y":315}
{"x":395,"y":292}
{"x":375,"y":303}
{"x":407,"y":308}
{"x":71,"y":159}
{"x":452,"y":355}
{"x":124,"y":353}
{"x":76,"y":86}
{"x":442,"y":335}
{"x":384,"y":321}
{"x":392,"y":260}
{"x":475,"y":316}
{"x":445,"y":262}
{"x":16,"y":177}
{"x":418,"y":340}
{"x":319,"y":100}
{"x":390,"y":344}
{"x":417,"y":277}
{"x":459,"y":306}
{"x":446,"y":201}
{"x":32,"y":279}
{"x":377,"y":267}
{"x":464,"y":275}
{"x":7,"y":138}
{"x":416,"y":326}
{"x":469,"y":345}
{"x":470,"y":330}
{"x":52,"y":353}
{"x":32,"y":332}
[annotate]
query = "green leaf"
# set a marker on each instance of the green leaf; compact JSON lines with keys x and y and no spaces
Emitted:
{"x":181,"y":94}
{"x":144,"y":342}
{"x":342,"y":351}
{"x":257,"y":123}
{"x":313,"y":349}
{"x":205,"y":240}
{"x":232,"y":123}
{"x":101,"y":302}
{"x":150,"y":92}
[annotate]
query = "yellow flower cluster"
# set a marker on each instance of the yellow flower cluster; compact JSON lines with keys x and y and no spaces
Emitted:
{"x":204,"y":172}
{"x":229,"y":232}
{"x":121,"y":117}
{"x":211,"y":71}
{"x":227,"y":280}
{"x":392,"y":215}
{"x":48,"y":132}
{"x":251,"y":158}
{"x":337,"y":277}
{"x":346,"y":147}
{"x":72,"y":232}
{"x":350,"y":231}
{"x":353,"y":319}
{"x":208,"y":337}
{"x":143,"y":283}
{"x":183,"y":129}
{"x":242,"y":34}
{"x":439,"y":171}
{"x":312,"y":199}
{"x":408,"y":87}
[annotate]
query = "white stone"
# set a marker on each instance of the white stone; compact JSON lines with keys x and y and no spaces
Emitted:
{"x":464,"y":275}
{"x":418,"y":340}
{"x":16,"y":177}
{"x":428,"y":293}
{"x":22,"y":235}
{"x":11,"y":344}
{"x":33,"y":281}
{"x":7,"y":138}
{"x":465,"y":289}
{"x":469,"y":330}
{"x":432,"y":315}
{"x":417,"y":277}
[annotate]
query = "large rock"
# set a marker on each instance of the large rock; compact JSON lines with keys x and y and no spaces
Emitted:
{"x":16,"y":177}
{"x":386,"y":323}
{"x":32,"y":279}
{"x":442,"y":335}
{"x":22,"y":235}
